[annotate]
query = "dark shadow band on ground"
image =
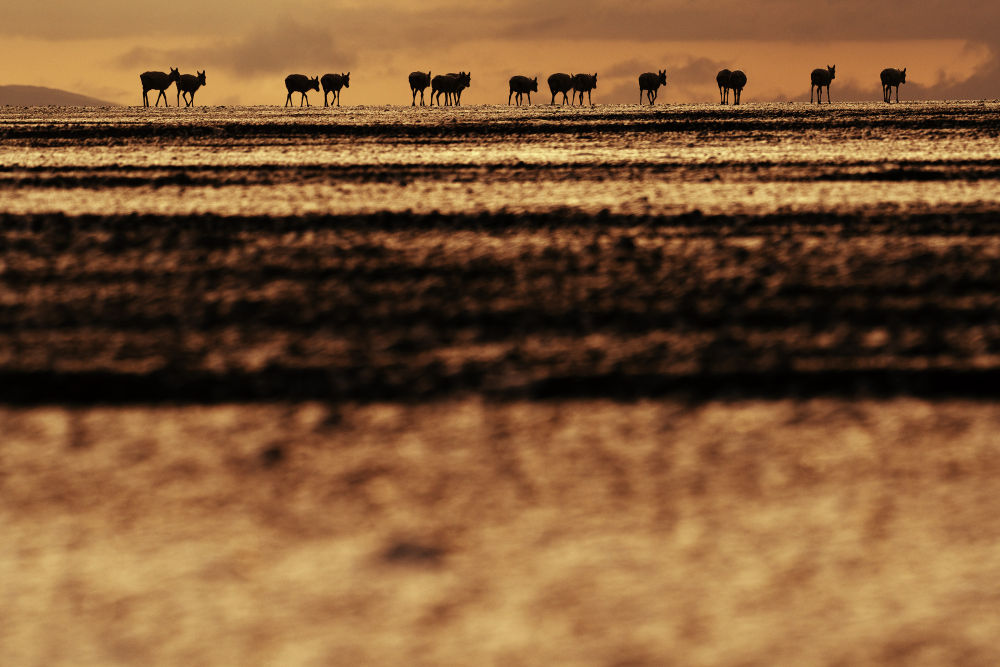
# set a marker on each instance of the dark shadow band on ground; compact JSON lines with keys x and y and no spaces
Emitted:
{"x":670,"y":120}
{"x":292,"y":385}
{"x":565,"y":304}
{"x":144,"y":230}
{"x":159,"y":176}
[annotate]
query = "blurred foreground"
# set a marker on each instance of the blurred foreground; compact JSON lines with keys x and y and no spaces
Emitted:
{"x":462,"y":532}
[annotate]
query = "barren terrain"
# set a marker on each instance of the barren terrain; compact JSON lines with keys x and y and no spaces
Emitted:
{"x":611,"y":386}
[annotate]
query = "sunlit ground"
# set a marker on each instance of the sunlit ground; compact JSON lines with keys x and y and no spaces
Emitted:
{"x":605,"y":386}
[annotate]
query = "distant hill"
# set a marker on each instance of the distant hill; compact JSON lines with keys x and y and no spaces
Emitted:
{"x":28,"y":96}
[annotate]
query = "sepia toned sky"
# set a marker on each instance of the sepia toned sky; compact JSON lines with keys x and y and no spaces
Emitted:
{"x":951,"y":49}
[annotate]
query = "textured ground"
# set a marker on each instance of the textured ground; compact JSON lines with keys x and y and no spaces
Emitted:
{"x":604,"y":386}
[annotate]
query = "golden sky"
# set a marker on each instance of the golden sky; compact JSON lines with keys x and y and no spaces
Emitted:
{"x":950,"y":49}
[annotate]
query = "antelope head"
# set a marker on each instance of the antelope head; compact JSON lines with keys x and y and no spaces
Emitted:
{"x":347,"y":80}
{"x":902,"y":79}
{"x":175,"y":74}
{"x":201,"y":77}
{"x":832,"y":70}
{"x":663,"y":77}
{"x":314,"y":83}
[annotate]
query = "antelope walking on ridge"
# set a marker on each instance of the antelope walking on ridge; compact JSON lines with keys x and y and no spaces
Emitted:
{"x":520,"y":86}
{"x":722,"y":78}
{"x":451,"y":86}
{"x":442,"y":83}
{"x":584,"y":83}
{"x":158,"y":81}
{"x":892,"y":77}
{"x":650,"y":83}
{"x":736,"y":82}
{"x":419,"y":81}
{"x":300,"y":83}
{"x":821,"y":77}
{"x":464,"y":81}
{"x":189,"y":85}
{"x":561,"y":83}
{"x":332,"y":83}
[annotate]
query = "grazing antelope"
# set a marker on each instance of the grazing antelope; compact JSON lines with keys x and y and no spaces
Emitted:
{"x":158,"y":81}
{"x":650,"y":84}
{"x":736,"y":82}
{"x":821,"y":77}
{"x":332,"y":83}
{"x":300,"y":83}
{"x":561,"y":83}
{"x":584,"y":83}
{"x":722,"y":78}
{"x":520,"y":86}
{"x":419,"y":81}
{"x":189,"y":85}
{"x":892,"y":77}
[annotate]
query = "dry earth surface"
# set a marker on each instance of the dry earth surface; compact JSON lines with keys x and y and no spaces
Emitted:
{"x":608,"y":386}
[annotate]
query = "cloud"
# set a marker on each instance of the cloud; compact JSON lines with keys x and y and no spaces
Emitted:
{"x":628,"y":68}
{"x":696,"y":71}
{"x":277,"y":49}
{"x":983,"y":83}
{"x":695,"y":77}
{"x":386,"y":22}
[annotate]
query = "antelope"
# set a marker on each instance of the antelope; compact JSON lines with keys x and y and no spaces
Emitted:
{"x":892,"y":77}
{"x":464,"y":81}
{"x":442,"y":83}
{"x":300,"y":83}
{"x":650,"y":84}
{"x":736,"y":82}
{"x":821,"y":77}
{"x":158,"y":81}
{"x":584,"y":83}
{"x":451,"y":85}
{"x":189,"y":85}
{"x":521,"y":85}
{"x":561,"y":83}
{"x":722,"y":78}
{"x":419,"y":81}
{"x":332,"y":83}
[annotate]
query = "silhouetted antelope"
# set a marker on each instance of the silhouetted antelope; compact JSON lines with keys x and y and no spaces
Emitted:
{"x":158,"y":81}
{"x":419,"y":81}
{"x":300,"y":83}
{"x":451,"y":86}
{"x":650,"y":84}
{"x":722,"y":78}
{"x":561,"y":83}
{"x":332,"y":83}
{"x":522,"y":85}
{"x":892,"y":77}
{"x":189,"y":85}
{"x":821,"y":77}
{"x":442,"y":83}
{"x":736,"y":82}
{"x":464,"y":81}
{"x":584,"y":83}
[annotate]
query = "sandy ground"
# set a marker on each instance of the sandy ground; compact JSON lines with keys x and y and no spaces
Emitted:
{"x":463,"y":532}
